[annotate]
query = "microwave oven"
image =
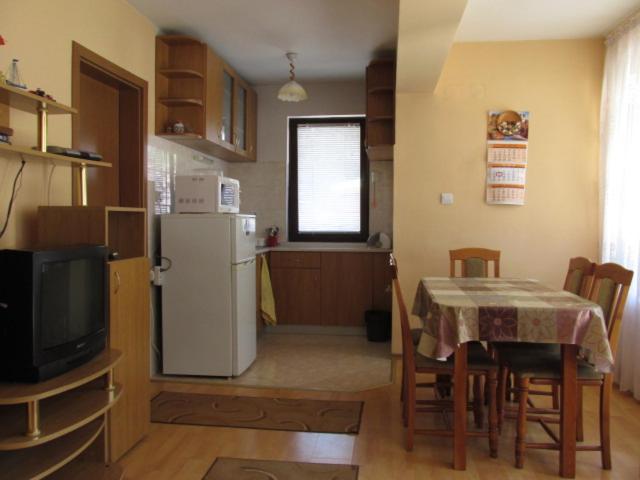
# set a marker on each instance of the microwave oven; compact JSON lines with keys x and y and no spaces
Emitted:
{"x":207,"y":194}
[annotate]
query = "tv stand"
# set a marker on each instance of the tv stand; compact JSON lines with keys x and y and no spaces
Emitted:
{"x":56,"y":428}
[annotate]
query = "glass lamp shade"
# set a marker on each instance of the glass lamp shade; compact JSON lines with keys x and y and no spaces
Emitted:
{"x":292,"y":91}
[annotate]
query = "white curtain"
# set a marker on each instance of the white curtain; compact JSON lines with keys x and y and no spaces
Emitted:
{"x":620,"y":155}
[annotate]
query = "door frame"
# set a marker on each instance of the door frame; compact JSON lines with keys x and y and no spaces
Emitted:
{"x":81,"y":55}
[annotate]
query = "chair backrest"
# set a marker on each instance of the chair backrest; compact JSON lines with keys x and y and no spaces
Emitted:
{"x":405,"y":328}
{"x":610,"y":288}
{"x":579,"y":279}
{"x":474,"y":262}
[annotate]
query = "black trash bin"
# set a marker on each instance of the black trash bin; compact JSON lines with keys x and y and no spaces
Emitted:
{"x":378,"y":325}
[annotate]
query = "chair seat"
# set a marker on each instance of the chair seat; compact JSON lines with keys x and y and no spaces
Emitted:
{"x":478,"y":359}
{"x":549,"y":367}
{"x":510,"y":351}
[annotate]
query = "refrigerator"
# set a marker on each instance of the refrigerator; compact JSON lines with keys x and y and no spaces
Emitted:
{"x":208,"y":294}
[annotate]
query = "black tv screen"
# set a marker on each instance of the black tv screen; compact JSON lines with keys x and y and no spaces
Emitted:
{"x":71,"y":300}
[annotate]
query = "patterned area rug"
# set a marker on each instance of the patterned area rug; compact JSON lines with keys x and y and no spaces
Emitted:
{"x":243,"y":469}
{"x":293,"y":414}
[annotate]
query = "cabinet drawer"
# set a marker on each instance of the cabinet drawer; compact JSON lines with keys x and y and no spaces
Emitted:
{"x":295,"y":260}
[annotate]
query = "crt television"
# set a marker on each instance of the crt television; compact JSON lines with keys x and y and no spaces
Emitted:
{"x":53,"y":310}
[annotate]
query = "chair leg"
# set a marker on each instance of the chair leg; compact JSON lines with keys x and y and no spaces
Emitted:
{"x":493,"y":413}
{"x":405,"y":406}
{"x":605,"y":434}
{"x":478,"y":402}
{"x":501,"y":394}
{"x":555,"y":397}
{"x":402,"y":386}
{"x":410,"y":402}
{"x":579,"y":418}
{"x":522,"y":389}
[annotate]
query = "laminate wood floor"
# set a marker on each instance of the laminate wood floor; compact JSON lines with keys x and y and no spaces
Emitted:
{"x":180,"y":452}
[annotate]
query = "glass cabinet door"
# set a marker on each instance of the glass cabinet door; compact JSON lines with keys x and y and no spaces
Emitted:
{"x":240,"y":119}
{"x":227,"y":107}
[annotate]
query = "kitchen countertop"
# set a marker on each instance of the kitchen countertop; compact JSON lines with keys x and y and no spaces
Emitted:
{"x":322,"y":247}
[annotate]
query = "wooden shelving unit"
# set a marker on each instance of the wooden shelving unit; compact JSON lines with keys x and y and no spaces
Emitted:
{"x":122,"y":229}
{"x":28,"y":102}
{"x":42,"y":107}
{"x":59,"y":159}
{"x":380,"y":134}
{"x":63,"y":418}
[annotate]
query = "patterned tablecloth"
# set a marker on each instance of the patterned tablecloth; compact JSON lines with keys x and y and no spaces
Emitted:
{"x":459,"y":310}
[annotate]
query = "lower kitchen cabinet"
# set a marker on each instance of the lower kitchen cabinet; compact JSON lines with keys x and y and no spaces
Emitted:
{"x":347,"y":288}
{"x":329,"y":288}
{"x":129,"y":332}
{"x":297,"y":295}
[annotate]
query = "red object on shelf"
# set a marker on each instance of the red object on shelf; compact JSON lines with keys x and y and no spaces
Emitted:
{"x":272,"y":241}
{"x":1,"y":40}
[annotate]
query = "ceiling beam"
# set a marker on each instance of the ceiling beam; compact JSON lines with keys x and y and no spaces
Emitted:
{"x":426,"y":30}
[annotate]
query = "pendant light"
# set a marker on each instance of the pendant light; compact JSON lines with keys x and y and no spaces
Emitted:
{"x":292,"y":91}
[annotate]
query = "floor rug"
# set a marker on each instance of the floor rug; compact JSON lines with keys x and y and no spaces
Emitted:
{"x":292,"y":414}
{"x":245,"y":469}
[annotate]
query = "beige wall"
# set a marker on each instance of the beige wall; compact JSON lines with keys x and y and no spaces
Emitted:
{"x":440,"y":147}
{"x":39,"y":33}
{"x":263,"y":184}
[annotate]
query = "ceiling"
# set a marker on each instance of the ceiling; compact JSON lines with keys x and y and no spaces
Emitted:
{"x":497,"y":20}
{"x":336,"y":39}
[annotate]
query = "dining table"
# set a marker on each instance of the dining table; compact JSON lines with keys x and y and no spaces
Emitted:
{"x":455,"y":311}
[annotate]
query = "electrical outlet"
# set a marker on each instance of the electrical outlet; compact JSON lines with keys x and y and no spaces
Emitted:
{"x":446,"y":198}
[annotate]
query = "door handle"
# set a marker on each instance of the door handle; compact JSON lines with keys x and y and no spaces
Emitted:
{"x":118,"y":282}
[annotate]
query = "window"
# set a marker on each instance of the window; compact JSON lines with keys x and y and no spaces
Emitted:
{"x":328,"y":180}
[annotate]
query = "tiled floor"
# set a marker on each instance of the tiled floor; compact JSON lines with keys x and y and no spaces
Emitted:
{"x":339,"y":363}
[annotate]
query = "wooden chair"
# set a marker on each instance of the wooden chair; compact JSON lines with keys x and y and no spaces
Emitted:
{"x":579,"y":281}
{"x":610,"y":288}
{"x":479,"y":363}
{"x":474,"y":262}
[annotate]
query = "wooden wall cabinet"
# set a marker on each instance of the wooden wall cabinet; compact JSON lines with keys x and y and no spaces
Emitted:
{"x":196,"y":87}
{"x":381,"y":89}
{"x":129,"y":333}
{"x":329,"y":288}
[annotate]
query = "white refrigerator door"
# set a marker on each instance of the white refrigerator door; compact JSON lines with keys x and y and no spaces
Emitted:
{"x":243,"y":231}
{"x":244,"y":315}
{"x":197,"y":332}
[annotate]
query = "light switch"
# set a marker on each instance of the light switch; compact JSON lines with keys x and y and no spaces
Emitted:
{"x":446,"y":198}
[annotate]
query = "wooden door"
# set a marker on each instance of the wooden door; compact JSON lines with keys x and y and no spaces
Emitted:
{"x":240,"y":99}
{"x":98,"y":131}
{"x":346,"y":288}
{"x":129,"y":332}
{"x":112,"y":121}
{"x":297,"y":295}
{"x":213,"y":97}
{"x":252,"y":124}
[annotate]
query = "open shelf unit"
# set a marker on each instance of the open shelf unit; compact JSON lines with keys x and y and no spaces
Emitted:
{"x":42,"y":107}
{"x":180,"y":83}
{"x":380,"y":134}
{"x":180,"y":73}
{"x":63,"y":418}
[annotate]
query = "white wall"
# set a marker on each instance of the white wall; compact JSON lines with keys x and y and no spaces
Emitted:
{"x":263,"y":183}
